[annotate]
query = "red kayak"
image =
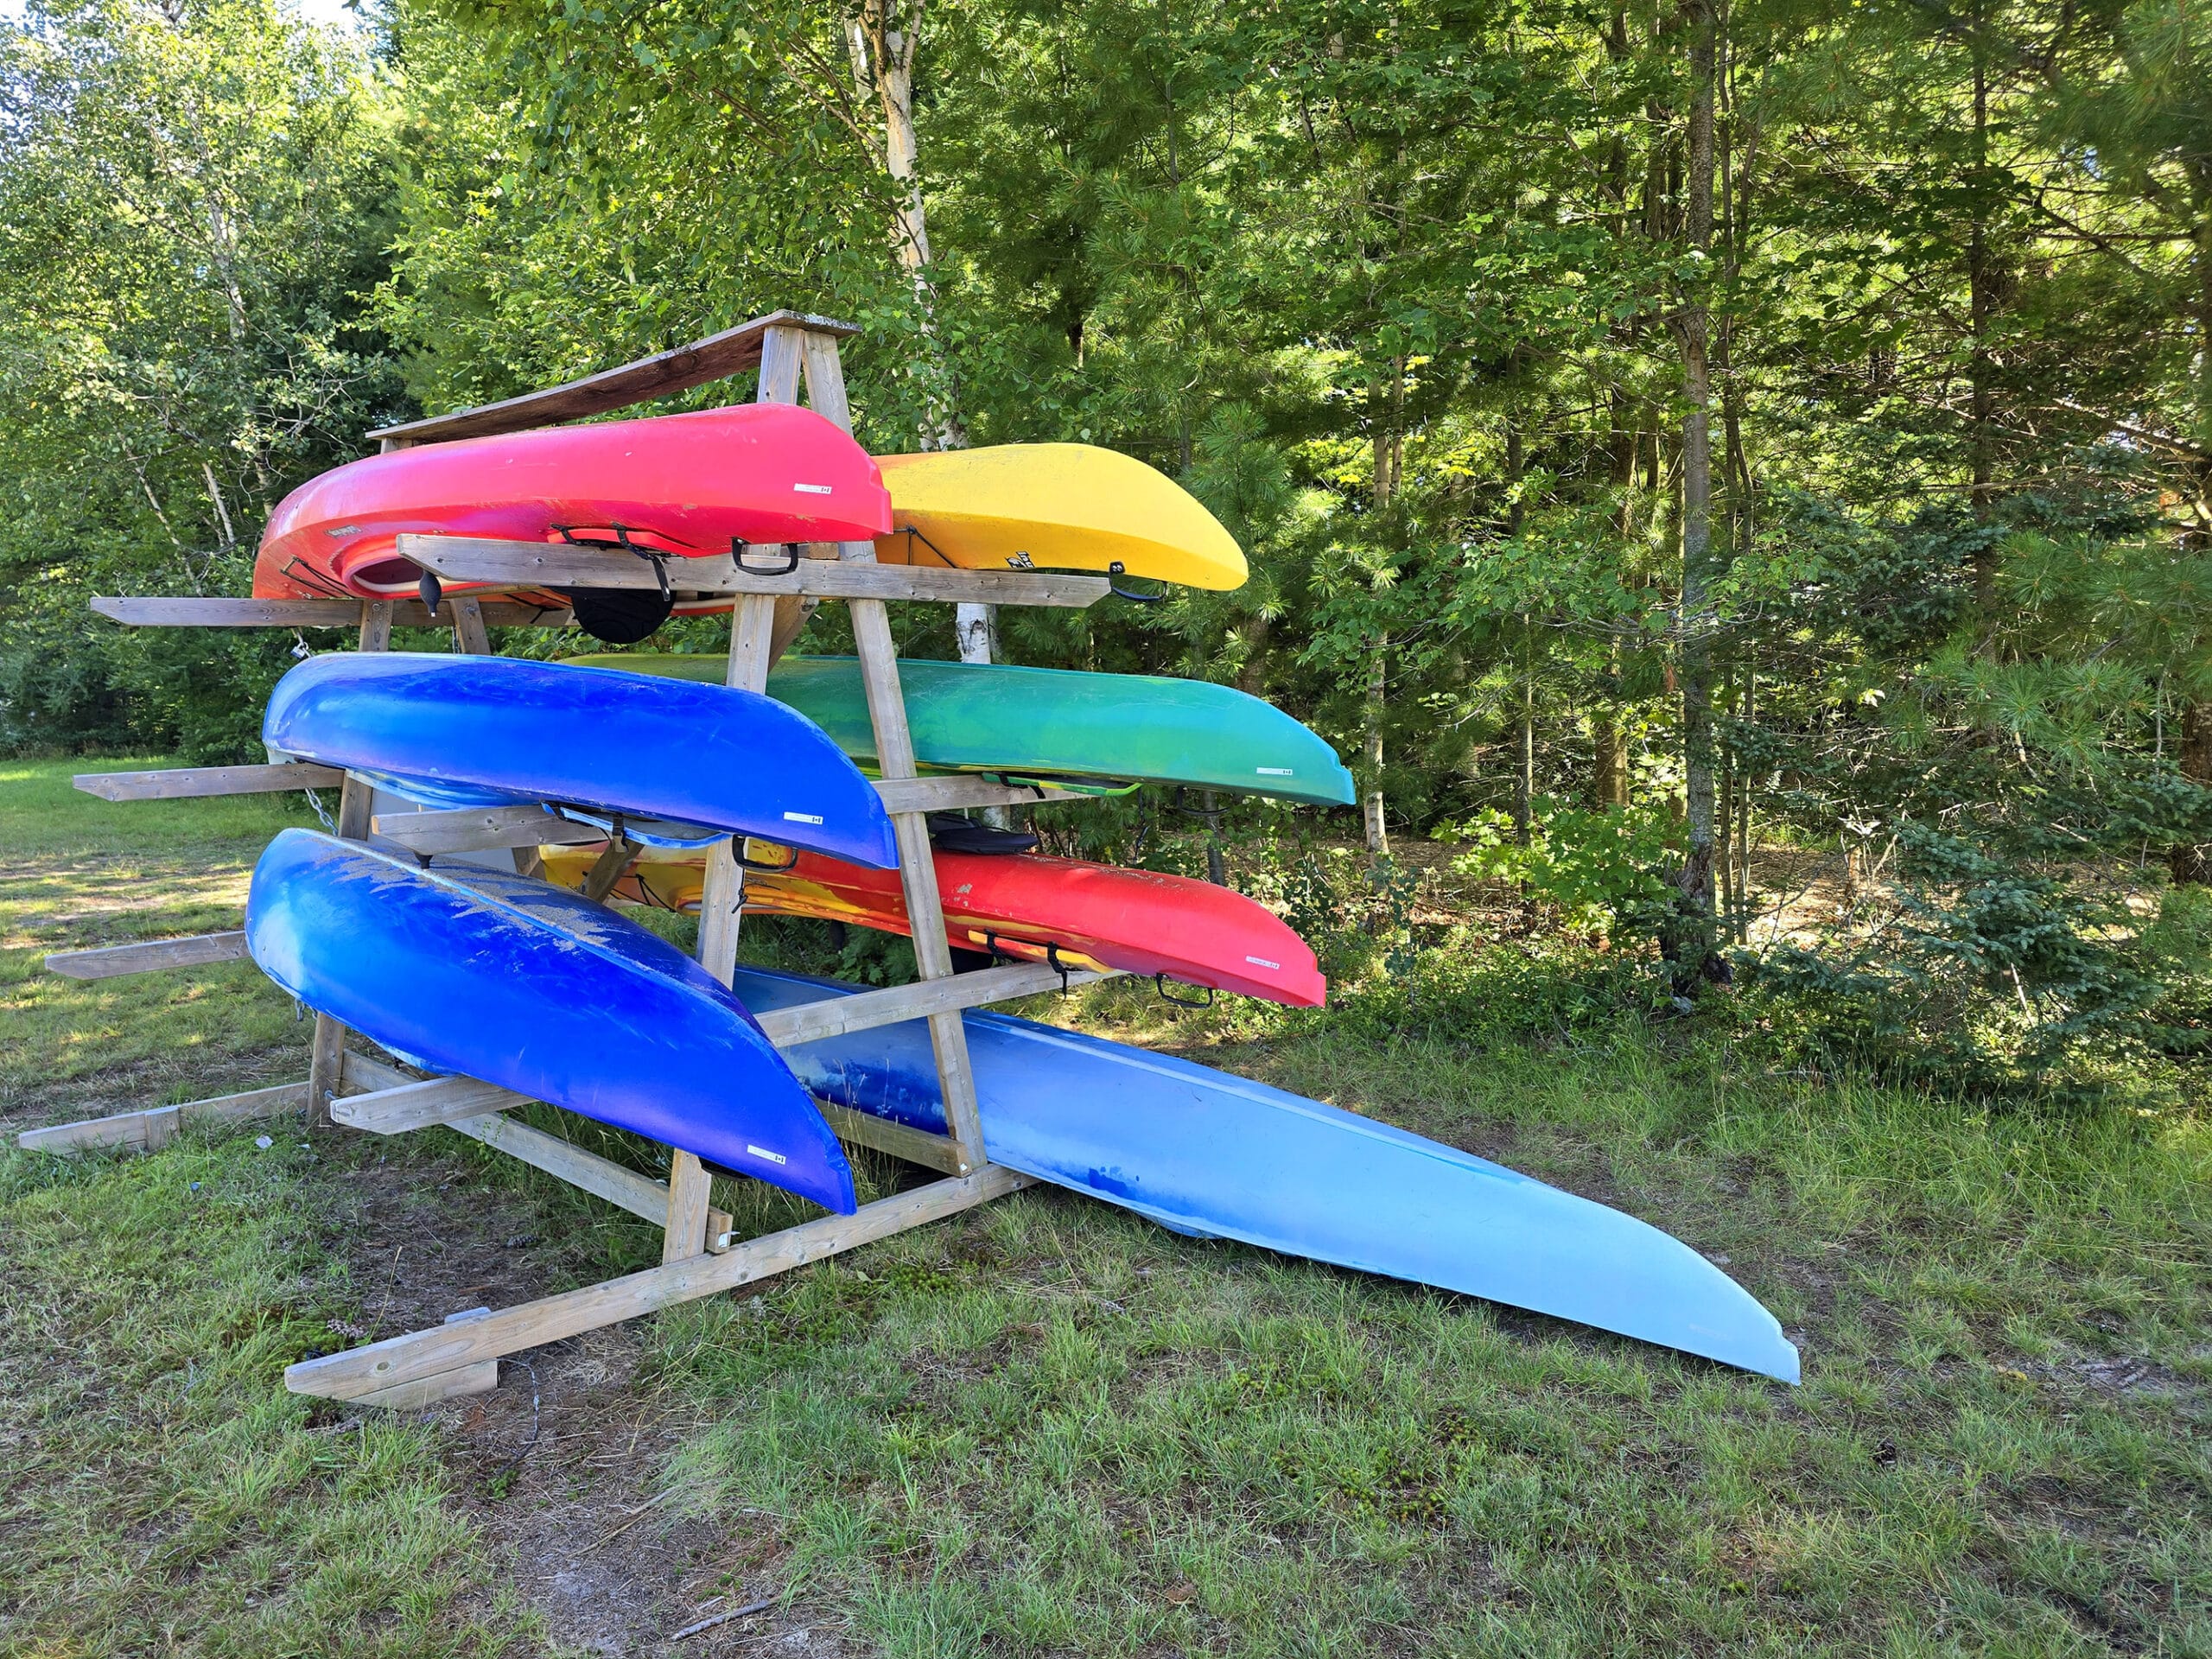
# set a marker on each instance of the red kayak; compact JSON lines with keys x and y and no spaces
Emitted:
{"x":673,"y":485}
{"x":1018,"y":904}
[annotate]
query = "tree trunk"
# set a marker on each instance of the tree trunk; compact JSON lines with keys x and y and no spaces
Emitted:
{"x":1694,"y":948}
{"x":1981,"y":305}
{"x":1378,"y":839}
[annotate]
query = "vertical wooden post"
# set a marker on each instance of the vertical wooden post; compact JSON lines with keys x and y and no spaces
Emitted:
{"x":721,"y":910}
{"x":355,"y":797}
{"x":468,"y":630}
{"x":894,"y":751}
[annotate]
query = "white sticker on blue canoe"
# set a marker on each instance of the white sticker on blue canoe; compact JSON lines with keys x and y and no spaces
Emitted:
{"x":811,"y":489}
{"x":763,"y":1152}
{"x":802,"y":817}
{"x":1274,"y":772}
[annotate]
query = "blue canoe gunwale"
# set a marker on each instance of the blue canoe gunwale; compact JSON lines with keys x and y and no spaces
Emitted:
{"x":454,"y":730}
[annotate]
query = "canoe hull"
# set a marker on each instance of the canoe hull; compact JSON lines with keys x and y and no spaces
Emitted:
{"x":1090,"y":915}
{"x":686,"y":483}
{"x":1053,"y":507}
{"x":1205,"y":1152}
{"x":479,"y":730}
{"x":516,"y":983}
{"x":1051,"y":722}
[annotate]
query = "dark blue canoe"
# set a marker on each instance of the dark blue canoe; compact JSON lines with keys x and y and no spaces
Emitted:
{"x":482,"y":731}
{"x":1205,"y":1152}
{"x":493,"y":976}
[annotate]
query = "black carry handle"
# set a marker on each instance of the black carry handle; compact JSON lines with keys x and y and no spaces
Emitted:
{"x":651,"y":555}
{"x":1117,"y":569}
{"x":737,"y":849}
{"x":1159,"y":984}
{"x":738,"y":550}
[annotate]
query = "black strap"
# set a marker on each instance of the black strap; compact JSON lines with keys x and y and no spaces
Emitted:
{"x":1159,"y":984}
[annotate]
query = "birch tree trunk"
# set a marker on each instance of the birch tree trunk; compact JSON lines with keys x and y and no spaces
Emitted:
{"x":1692,"y":325}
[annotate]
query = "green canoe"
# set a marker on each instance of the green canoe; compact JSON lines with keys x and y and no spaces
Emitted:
{"x":1051,"y":722}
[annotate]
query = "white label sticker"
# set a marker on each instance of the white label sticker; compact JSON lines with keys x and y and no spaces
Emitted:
{"x":763,"y":1152}
{"x":1020,"y":562}
{"x":1262,"y":962}
{"x":811,"y":489}
{"x":1274,"y":772}
{"x":802,"y":817}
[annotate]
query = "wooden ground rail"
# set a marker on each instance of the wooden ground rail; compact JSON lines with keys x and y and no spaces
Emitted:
{"x":700,"y":1255}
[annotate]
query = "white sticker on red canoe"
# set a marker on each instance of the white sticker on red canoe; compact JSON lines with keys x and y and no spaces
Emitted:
{"x":811,"y":489}
{"x":1262,"y":962}
{"x":763,"y":1152}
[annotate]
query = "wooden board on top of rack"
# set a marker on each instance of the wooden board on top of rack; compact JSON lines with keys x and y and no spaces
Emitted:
{"x":164,"y":611}
{"x":734,"y":351}
{"x":557,"y":565}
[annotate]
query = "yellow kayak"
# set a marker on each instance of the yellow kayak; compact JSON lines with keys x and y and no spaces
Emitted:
{"x":1052,"y":507}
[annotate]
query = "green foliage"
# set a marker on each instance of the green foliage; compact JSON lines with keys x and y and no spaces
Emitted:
{"x":1596,"y":869}
{"x":2003,"y":979}
{"x":193,"y":203}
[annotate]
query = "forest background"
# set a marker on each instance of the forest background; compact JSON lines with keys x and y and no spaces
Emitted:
{"x":1665,"y":436}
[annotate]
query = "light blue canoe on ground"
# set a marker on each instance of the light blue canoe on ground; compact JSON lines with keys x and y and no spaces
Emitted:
{"x":1206,"y":1152}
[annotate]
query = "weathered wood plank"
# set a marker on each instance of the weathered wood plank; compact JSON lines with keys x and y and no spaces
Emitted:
{"x":684,"y":1206}
{"x":398,"y":1104}
{"x":410,"y":1106}
{"x":164,"y":612}
{"x":428,"y":1391}
{"x":113,"y":961}
{"x":915,"y":1146}
{"x":481,"y":828}
{"x":157,"y":1125}
{"x":835,"y":1016}
{"x":181,"y":783}
{"x":469,"y":630}
{"x":361,"y":1074}
{"x":542,"y":564}
{"x":732,"y":351}
{"x":446,"y":1348}
{"x":948,"y":794}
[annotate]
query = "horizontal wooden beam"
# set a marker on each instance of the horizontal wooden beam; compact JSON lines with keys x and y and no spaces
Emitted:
{"x":397,"y":1360}
{"x":734,"y":351}
{"x":480,"y":828}
{"x":949,"y":794}
{"x":113,"y":961}
{"x":833,"y":1016}
{"x":541,"y":564}
{"x":165,"y":612}
{"x":397,"y":1104}
{"x":413,"y":1105}
{"x":158,"y":1125}
{"x":937,"y":1152}
{"x":179,"y":783}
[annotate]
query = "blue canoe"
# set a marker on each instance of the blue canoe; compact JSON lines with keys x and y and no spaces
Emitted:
{"x":1205,"y":1152}
{"x":493,"y":976}
{"x":480,"y":731}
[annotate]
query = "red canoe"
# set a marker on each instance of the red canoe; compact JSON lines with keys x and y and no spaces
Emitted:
{"x":681,"y":485}
{"x":1092,"y":914}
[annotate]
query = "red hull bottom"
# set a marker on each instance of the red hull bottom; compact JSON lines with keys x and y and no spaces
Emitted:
{"x":1023,"y":905}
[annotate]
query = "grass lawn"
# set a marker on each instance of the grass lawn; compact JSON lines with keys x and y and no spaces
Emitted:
{"x":1047,"y":1427}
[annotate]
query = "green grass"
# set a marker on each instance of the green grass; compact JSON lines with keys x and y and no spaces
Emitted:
{"x":1048,"y":1428}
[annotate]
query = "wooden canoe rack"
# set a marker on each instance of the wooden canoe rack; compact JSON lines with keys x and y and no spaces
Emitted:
{"x":699,"y":1257}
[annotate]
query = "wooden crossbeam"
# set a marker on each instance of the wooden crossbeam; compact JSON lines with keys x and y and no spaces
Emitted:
{"x":948,"y":794}
{"x":557,"y":565}
{"x":734,"y":351}
{"x":481,"y":828}
{"x":164,"y":612}
{"x":113,"y":961}
{"x":833,"y":1016}
{"x":158,"y":1125}
{"x":179,"y":783}
{"x":421,"y":1354}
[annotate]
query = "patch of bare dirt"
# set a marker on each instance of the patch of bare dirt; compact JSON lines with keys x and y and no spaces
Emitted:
{"x":560,"y":1465}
